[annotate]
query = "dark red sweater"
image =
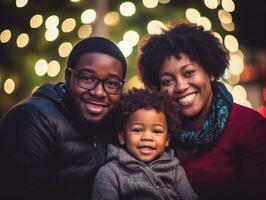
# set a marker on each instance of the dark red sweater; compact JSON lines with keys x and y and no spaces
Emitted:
{"x":236,"y":167}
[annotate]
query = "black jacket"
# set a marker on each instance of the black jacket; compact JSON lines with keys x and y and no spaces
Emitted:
{"x":43,"y":152}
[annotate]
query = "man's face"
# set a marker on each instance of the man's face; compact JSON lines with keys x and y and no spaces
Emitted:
{"x":93,"y":105}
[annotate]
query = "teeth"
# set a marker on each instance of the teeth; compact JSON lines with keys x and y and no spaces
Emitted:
{"x":187,"y":99}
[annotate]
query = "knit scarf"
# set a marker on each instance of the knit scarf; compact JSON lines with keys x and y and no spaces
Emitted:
{"x":214,"y":124}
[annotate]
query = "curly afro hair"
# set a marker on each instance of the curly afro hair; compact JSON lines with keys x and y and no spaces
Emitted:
{"x":200,"y":46}
{"x":137,"y":99}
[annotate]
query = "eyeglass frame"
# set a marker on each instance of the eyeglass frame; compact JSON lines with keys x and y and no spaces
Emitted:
{"x":102,"y":81}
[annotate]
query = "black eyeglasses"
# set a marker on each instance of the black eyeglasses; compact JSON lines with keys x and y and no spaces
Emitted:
{"x":87,"y":80}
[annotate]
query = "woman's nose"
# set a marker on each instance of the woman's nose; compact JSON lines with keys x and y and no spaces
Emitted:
{"x":181,"y":85}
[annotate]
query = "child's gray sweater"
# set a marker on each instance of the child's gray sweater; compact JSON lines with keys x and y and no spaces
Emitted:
{"x":124,"y":177}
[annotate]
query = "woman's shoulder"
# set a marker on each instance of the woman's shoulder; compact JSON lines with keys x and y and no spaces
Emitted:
{"x":245,"y":115}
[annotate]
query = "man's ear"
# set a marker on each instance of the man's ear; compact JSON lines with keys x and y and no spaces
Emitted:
{"x":122,"y":138}
{"x":67,"y":75}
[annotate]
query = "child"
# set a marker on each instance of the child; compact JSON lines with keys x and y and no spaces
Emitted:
{"x":142,"y":169}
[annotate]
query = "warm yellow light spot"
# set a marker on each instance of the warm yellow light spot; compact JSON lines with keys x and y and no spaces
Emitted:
{"x":193,"y":15}
{"x":231,"y":43}
{"x":205,"y":22}
{"x":239,"y":94}
{"x":36,"y":21}
{"x":155,"y":27}
{"x":238,"y":53}
{"x":135,"y":81}
{"x":23,"y":40}
{"x":211,"y":4}
{"x":111,"y":18}
{"x":150,"y":3}
{"x":75,"y":1}
{"x":52,"y":22}
{"x":236,"y":64}
{"x":41,"y":67}
{"x":51,"y":34}
{"x":125,"y":47}
{"x":132,"y":37}
{"x":127,"y":9}
{"x":65,"y":49}
{"x":88,"y":16}
{"x":228,"y":5}
{"x":84,"y":31}
{"x":231,"y":78}
{"x":225,"y":17}
{"x":9,"y":86}
{"x":53,"y":68}
{"x":164,"y":1}
{"x":228,"y":27}
{"x":21,"y":3}
{"x":218,"y":36}
{"x":68,"y":25}
{"x":5,"y":36}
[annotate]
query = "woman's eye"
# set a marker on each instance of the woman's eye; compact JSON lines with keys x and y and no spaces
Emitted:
{"x":189,"y":73}
{"x":166,"y":82}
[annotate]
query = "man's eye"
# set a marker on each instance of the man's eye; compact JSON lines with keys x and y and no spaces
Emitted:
{"x":87,"y":78}
{"x":113,"y":83}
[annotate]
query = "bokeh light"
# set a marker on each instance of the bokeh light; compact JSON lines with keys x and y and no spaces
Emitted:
{"x":134,"y":82}
{"x":228,"y":5}
{"x":193,"y":15}
{"x":9,"y":86}
{"x":111,"y":18}
{"x":41,"y":67}
{"x":125,"y":47}
{"x":21,"y":3}
{"x":150,"y":3}
{"x":51,"y":34}
{"x":132,"y":37}
{"x":211,"y":4}
{"x":84,"y":31}
{"x":36,"y":21}
{"x":5,"y":36}
{"x":231,"y":43}
{"x":155,"y":27}
{"x":127,"y":9}
{"x":88,"y":16}
{"x":53,"y":68}
{"x":68,"y":25}
{"x":23,"y":40}
{"x":65,"y":49}
{"x":52,"y":22}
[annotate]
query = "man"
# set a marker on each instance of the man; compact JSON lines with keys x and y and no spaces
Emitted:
{"x":52,"y":143}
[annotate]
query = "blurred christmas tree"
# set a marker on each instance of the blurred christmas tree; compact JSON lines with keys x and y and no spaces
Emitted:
{"x":37,"y":36}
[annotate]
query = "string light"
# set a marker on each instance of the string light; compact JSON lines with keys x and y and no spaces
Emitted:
{"x":21,"y":3}
{"x":150,"y":3}
{"x":5,"y":36}
{"x":155,"y":27}
{"x":127,"y":9}
{"x":36,"y":21}
{"x":125,"y":47}
{"x":88,"y":16}
{"x":192,"y":15}
{"x":23,"y":40}
{"x":9,"y":86}
{"x":111,"y":18}
{"x":132,"y":37}
{"x":84,"y":31}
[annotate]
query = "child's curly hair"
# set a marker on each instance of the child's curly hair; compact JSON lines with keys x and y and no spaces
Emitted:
{"x":137,"y":99}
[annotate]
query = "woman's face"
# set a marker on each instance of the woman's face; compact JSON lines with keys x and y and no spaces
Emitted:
{"x":188,"y":83}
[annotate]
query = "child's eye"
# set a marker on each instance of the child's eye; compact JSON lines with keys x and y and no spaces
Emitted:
{"x":137,"y":130}
{"x":158,"y":131}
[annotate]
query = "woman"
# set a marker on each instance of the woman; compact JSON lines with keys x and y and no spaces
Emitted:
{"x":222,"y":145}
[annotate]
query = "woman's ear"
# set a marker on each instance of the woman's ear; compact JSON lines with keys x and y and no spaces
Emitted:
{"x":122,"y":138}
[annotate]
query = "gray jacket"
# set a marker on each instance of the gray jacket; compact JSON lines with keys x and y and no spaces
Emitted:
{"x":124,"y":177}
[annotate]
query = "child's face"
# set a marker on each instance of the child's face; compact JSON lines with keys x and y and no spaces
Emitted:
{"x":145,"y":134}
